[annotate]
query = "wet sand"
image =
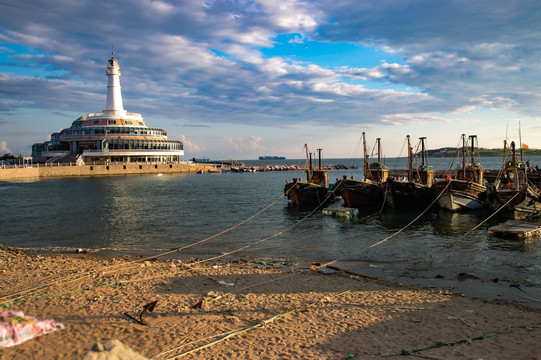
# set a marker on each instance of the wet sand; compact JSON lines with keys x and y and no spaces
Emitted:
{"x":252,"y":309}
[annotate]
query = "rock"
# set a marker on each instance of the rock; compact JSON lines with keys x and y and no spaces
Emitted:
{"x":112,"y":350}
{"x":464,"y":275}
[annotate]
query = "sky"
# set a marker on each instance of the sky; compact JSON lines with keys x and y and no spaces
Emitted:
{"x":240,"y":79}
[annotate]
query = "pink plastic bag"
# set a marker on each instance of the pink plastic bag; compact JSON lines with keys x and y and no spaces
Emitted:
{"x":16,"y":327}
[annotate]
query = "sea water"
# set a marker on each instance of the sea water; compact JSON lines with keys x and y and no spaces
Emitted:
{"x":153,"y":214}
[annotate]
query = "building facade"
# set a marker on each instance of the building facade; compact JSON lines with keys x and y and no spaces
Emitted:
{"x":113,"y":135}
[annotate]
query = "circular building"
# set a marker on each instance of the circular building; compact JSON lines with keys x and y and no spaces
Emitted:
{"x":113,"y":135}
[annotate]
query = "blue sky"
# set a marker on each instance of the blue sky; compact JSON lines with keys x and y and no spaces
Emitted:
{"x":239,"y":79}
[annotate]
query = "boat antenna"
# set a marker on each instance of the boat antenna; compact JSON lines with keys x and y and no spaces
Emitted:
{"x":520,"y":141}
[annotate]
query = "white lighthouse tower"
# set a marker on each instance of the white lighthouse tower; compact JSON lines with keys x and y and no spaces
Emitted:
{"x":114,"y":94}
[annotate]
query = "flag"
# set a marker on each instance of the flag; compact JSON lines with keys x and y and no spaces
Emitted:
{"x":524,"y":146}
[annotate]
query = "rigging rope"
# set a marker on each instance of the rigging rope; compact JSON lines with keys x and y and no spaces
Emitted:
{"x":413,"y":221}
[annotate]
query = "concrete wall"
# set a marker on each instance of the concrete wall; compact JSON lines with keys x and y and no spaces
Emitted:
{"x":101,"y":170}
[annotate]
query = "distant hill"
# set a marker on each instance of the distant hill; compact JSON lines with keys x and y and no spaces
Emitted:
{"x":451,"y":152}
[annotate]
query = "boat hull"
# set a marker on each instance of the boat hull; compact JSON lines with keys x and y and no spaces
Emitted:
{"x":459,"y":195}
{"x":517,"y":204}
{"x":307,"y":194}
{"x":360,"y":193}
{"x":408,"y":195}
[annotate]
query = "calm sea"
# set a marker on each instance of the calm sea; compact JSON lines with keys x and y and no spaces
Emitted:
{"x":152,"y":214}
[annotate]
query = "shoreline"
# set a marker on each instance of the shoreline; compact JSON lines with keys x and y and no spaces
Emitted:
{"x":510,"y":291}
{"x":316,"y":314}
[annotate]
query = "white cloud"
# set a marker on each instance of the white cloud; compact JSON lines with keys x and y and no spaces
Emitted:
{"x":204,"y":61}
{"x":4,"y":148}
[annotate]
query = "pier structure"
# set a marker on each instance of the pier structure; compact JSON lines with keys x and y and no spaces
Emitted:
{"x":113,"y":135}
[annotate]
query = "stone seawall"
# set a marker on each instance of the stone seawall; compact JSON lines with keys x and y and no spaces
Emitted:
{"x":99,"y":170}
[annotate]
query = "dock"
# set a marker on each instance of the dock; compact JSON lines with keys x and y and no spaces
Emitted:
{"x":341,"y":212}
{"x":513,"y":229}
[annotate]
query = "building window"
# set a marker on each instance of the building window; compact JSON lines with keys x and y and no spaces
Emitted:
{"x":111,"y":122}
{"x":95,"y":122}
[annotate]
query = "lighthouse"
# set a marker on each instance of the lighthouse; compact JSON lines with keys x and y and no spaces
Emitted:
{"x":114,"y":94}
{"x":111,"y":136}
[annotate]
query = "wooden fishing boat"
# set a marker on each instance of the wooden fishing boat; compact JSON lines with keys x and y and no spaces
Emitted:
{"x":465,"y":191}
{"x":512,"y":194}
{"x":414,"y":189}
{"x":312,"y":192}
{"x":367,"y":192}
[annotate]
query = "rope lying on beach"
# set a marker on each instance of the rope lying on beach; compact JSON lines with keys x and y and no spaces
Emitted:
{"x":261,"y":324}
{"x":439,"y":344}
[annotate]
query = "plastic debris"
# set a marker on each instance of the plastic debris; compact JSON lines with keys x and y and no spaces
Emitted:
{"x":16,"y":327}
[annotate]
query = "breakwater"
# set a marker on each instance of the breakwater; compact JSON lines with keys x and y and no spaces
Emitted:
{"x":67,"y":170}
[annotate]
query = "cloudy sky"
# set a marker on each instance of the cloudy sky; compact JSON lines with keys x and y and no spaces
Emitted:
{"x":239,"y":79}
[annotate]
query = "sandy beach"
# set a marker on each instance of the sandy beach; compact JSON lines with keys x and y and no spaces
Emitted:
{"x":251,"y":309}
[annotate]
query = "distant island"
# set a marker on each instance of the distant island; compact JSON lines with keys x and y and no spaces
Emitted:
{"x":452,"y":152}
{"x":272,"y":158}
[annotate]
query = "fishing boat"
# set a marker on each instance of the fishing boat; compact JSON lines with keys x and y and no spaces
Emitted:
{"x":465,"y":191}
{"x":512,"y":194}
{"x":367,"y":192}
{"x":312,"y":192}
{"x":215,"y":170}
{"x":414,"y":189}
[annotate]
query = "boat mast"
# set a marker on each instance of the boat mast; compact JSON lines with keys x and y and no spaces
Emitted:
{"x":472,"y":151}
{"x":378,"y":140}
{"x":365,"y":159}
{"x":463,"y":156}
{"x":424,"y":153}
{"x":308,"y":163}
{"x":319,"y":157}
{"x":410,"y":160}
{"x":514,"y":163}
{"x":520,"y":140}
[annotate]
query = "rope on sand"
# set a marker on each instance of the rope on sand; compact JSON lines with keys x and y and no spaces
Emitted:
{"x":261,"y":324}
{"x":438,"y":344}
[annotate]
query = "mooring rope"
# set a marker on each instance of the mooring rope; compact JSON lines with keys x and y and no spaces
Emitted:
{"x":5,"y":299}
{"x":493,"y":214}
{"x":413,"y":221}
{"x":264,"y":322}
{"x":260,"y":324}
{"x":439,"y":344}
